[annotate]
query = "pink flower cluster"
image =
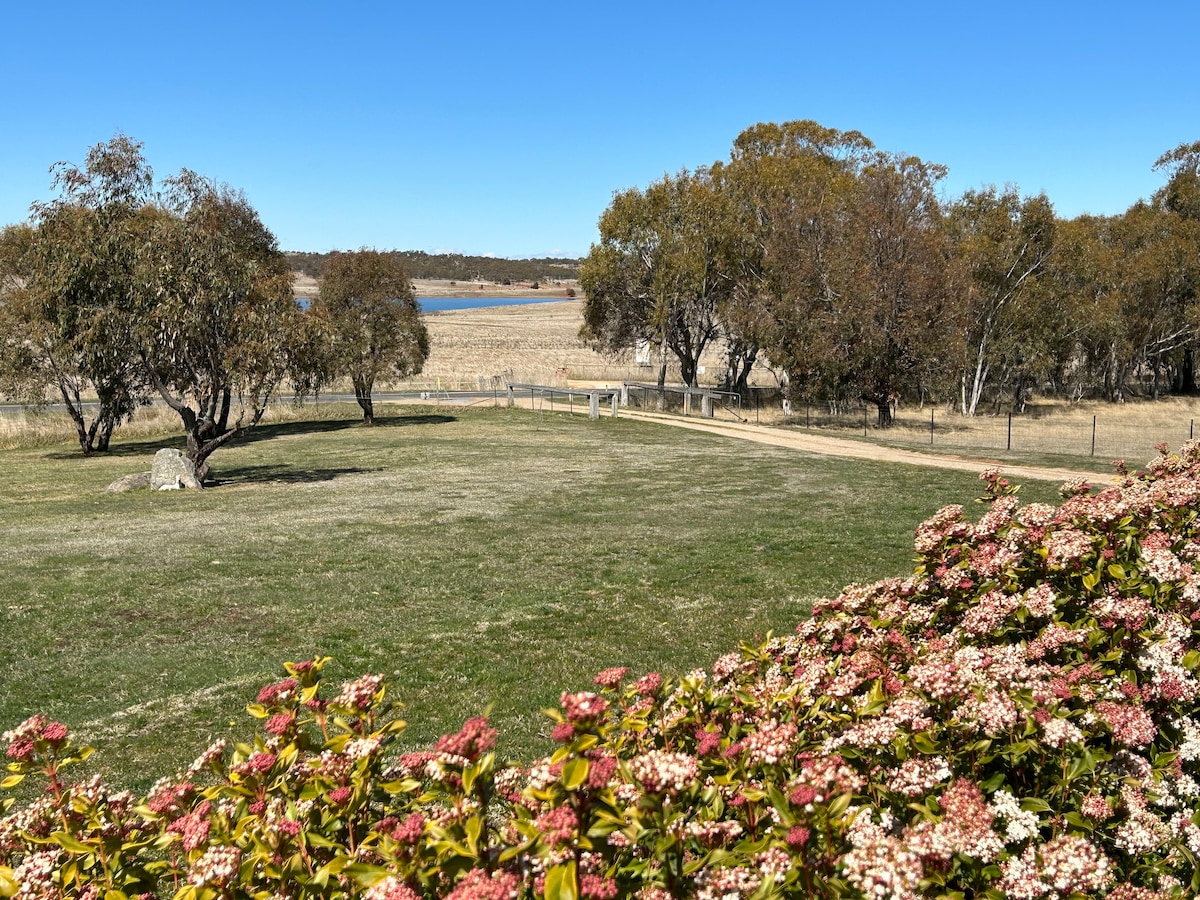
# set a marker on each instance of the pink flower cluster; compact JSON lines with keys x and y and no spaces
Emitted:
{"x":22,"y":740}
{"x":479,"y":885}
{"x":473,"y":740}
{"x":583,"y":707}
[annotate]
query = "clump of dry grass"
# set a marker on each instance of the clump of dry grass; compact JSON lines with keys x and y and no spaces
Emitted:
{"x":33,"y":427}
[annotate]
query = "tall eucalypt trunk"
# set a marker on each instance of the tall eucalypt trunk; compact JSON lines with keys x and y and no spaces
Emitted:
{"x":74,"y":407}
{"x":661,"y":403}
{"x":886,"y":414}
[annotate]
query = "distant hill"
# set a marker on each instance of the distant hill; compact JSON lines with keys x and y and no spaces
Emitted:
{"x":419,"y":264}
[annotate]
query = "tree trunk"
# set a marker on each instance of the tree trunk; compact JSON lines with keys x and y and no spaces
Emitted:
{"x":662,"y":385}
{"x":1018,"y":406}
{"x":1186,"y":382}
{"x":368,"y":408}
{"x":104,"y":434}
{"x":688,"y":369}
{"x":977,"y":384}
{"x":362,"y":393}
{"x":75,"y":410}
{"x":222,"y":421}
{"x":886,"y":413}
{"x":737,"y":374}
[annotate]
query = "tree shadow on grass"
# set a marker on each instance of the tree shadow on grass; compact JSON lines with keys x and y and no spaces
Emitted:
{"x":117,"y":450}
{"x":279,"y":474}
{"x":325,"y":426}
{"x":264,"y":432}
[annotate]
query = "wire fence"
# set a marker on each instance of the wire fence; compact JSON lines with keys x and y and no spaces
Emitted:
{"x":1097,"y":435}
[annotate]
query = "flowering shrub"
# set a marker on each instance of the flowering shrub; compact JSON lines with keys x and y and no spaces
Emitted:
{"x":1016,"y":718}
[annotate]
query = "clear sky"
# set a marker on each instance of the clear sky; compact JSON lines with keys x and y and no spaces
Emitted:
{"x":504,"y":128}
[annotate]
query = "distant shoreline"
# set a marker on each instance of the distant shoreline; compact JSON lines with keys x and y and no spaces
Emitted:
{"x":438,"y":304}
{"x":304,"y":286}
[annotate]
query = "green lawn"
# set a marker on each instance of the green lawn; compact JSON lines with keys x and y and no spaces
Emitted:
{"x":480,"y":558}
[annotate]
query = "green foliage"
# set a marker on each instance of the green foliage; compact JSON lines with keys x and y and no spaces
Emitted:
{"x":70,"y":288}
{"x":119,"y":290}
{"x":659,"y":272}
{"x":374,"y":324}
{"x":214,"y":319}
{"x":834,"y":264}
{"x":1018,"y":333}
{"x":850,"y":294}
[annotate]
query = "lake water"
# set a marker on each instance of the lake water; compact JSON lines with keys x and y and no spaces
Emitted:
{"x":444,"y":304}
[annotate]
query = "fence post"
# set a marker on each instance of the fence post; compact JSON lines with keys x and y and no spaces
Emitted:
{"x":807,"y":420}
{"x":1191,"y":428}
{"x":1009,"y":447}
{"x":512,"y":396}
{"x":864,"y":421}
{"x":931,"y":426}
{"x":1093,"y":435}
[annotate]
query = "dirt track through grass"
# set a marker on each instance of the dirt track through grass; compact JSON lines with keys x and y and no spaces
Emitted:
{"x":832,"y":446}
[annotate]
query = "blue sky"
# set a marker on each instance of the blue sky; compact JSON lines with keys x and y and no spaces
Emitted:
{"x":505,"y":128}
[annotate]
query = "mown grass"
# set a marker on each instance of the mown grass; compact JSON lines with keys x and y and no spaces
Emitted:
{"x":482,"y":559}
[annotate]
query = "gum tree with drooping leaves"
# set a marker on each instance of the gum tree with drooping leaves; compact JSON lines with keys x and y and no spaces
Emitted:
{"x":215,"y":320}
{"x":69,"y":287}
{"x":373,"y":321}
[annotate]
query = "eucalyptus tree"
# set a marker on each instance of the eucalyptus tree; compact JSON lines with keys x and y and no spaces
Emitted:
{"x":1130,"y":283}
{"x":1084,"y":273}
{"x":69,"y":287}
{"x":662,"y":270}
{"x":1181,"y":194}
{"x":1005,"y":243}
{"x":215,"y":320}
{"x":1178,"y":250}
{"x":1160,"y":256}
{"x":374,"y":322}
{"x":851,"y":267}
{"x":896,"y":316}
{"x":788,"y":182}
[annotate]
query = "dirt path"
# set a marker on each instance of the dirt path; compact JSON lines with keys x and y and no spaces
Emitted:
{"x":830,"y":446}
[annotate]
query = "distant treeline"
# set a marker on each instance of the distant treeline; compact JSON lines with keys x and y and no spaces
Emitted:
{"x":455,"y":266}
{"x":848,"y":270}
